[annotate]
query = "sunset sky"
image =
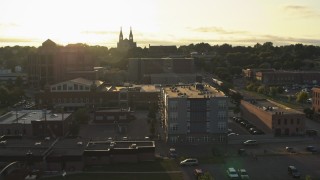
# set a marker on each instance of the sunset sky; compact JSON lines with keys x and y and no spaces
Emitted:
{"x":160,"y":22}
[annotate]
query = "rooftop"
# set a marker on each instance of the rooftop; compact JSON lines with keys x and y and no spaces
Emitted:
{"x":273,"y":107}
{"x":190,"y":91}
{"x":26,"y":116}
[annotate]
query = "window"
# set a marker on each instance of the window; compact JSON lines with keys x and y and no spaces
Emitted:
{"x":285,"y":121}
{"x":59,"y":88}
{"x":173,"y":139}
{"x":87,"y":87}
{"x":222,"y":125}
{"x":191,"y":139}
{"x":298,"y":121}
{"x":222,"y":104}
{"x":221,"y":114}
{"x":173,"y":117}
{"x":279,"y":121}
{"x":173,"y":127}
{"x":81,"y":87}
{"x":75,"y":86}
{"x":53,"y":88}
{"x":173,"y":106}
{"x":222,"y":138}
{"x":70,"y":88}
{"x":64,"y":87}
{"x":206,"y":138}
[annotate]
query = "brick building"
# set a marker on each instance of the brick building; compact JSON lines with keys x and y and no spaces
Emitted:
{"x":35,"y":123}
{"x":287,"y":77}
{"x":53,"y":63}
{"x":273,"y":118}
{"x":80,"y":92}
{"x":162,"y":70}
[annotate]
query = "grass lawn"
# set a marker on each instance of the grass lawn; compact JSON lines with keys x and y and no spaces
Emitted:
{"x":96,"y":173}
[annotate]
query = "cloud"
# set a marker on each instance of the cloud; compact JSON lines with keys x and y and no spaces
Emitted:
{"x":217,"y":30}
{"x":8,"y":25}
{"x":301,"y":11}
{"x":251,"y":40}
{"x":100,"y":32}
{"x":16,"y":40}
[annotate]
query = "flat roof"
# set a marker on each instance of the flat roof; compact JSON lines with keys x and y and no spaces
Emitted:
{"x":20,"y":147}
{"x":190,"y":91}
{"x":26,"y":116}
{"x":273,"y":107}
{"x":140,"y":88}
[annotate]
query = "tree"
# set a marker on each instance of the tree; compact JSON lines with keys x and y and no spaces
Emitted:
{"x":81,"y":116}
{"x":302,"y":97}
{"x":206,"y":176}
{"x":273,"y":91}
{"x":308,"y":112}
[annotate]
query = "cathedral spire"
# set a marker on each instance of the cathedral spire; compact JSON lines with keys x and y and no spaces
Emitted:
{"x":130,"y":36}
{"x":121,"y":35}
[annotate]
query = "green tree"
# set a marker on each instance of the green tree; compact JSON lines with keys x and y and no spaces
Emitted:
{"x":309,"y":113}
{"x":302,"y":97}
{"x":262,"y":89}
{"x":205,"y":176}
{"x":273,"y":91}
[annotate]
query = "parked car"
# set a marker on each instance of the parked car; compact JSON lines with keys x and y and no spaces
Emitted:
{"x":232,"y":173}
{"x":241,"y":152}
{"x":233,"y":134}
{"x":311,"y":149}
{"x":311,"y":132}
{"x":189,"y":162}
{"x":293,"y":171}
{"x":243,"y":174}
{"x":197,"y":172}
{"x":290,"y":149}
{"x":250,"y":142}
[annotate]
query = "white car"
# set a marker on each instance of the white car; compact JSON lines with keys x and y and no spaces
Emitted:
{"x":243,"y":174}
{"x":250,"y":142}
{"x":232,"y":173}
{"x":189,"y":162}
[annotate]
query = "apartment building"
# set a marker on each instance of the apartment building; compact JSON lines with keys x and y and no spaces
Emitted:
{"x":193,"y":114}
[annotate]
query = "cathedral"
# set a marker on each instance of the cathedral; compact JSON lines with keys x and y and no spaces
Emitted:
{"x":126,"y":44}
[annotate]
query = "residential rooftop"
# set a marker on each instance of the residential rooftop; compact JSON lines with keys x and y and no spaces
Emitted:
{"x":190,"y":91}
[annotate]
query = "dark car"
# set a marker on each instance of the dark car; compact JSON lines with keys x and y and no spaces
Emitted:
{"x":311,"y":149}
{"x":293,"y":171}
{"x":311,"y":132}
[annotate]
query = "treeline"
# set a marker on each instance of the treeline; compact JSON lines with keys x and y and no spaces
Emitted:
{"x":224,"y":60}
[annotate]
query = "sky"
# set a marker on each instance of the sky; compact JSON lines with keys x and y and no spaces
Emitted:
{"x":159,"y":22}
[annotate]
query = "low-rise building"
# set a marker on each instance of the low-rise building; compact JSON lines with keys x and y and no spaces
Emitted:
{"x":94,"y":94}
{"x":273,"y":118}
{"x":35,"y":123}
{"x":194,"y":114}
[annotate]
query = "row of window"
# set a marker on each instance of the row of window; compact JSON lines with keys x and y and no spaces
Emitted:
{"x":174,"y":126}
{"x":286,"y":121}
{"x":191,"y":139}
{"x":173,"y":105}
{"x":65,"y":87}
{"x":71,"y":100}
